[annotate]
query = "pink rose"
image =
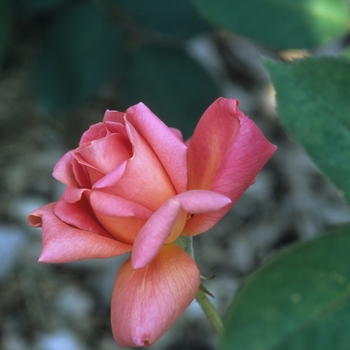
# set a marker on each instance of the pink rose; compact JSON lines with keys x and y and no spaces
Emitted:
{"x":134,"y":185}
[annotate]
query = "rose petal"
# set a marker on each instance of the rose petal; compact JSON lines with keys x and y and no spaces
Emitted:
{"x":166,"y":222}
{"x":210,"y":141}
{"x":117,"y":128}
{"x":114,"y":116}
{"x":105,"y":154}
{"x":81,"y":174}
{"x":111,"y":178}
{"x":170,"y":150}
{"x":121,"y":218}
{"x":201,"y":201}
{"x":146,"y":302}
{"x":63,"y":170}
{"x":79,"y":215}
{"x":73,"y":194}
{"x":96,"y":131}
{"x":63,"y":243}
{"x":177,"y":133}
{"x":244,"y":158}
{"x":110,"y":205}
{"x":144,"y":181}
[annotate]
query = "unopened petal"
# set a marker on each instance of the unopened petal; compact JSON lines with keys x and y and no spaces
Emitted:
{"x":147,"y":301}
{"x":63,"y":243}
{"x":105,"y":154}
{"x":95,"y":131}
{"x":168,"y":147}
{"x":144,"y":181}
{"x":114,"y":116}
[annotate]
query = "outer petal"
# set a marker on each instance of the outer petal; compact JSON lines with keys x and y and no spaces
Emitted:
{"x":63,"y":170}
{"x":63,"y":243}
{"x":244,"y":158}
{"x":156,"y":231}
{"x":168,"y":147}
{"x":210,"y":141}
{"x":146,"y":302}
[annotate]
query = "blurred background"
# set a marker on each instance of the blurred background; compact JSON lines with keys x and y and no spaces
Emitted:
{"x":63,"y":63}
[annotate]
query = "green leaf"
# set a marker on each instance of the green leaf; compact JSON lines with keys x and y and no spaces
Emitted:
{"x":6,"y":19}
{"x":298,"y":300}
{"x":174,"y":86}
{"x":313,"y":104}
{"x":282,"y":24}
{"x":81,"y":51}
{"x":178,"y":18}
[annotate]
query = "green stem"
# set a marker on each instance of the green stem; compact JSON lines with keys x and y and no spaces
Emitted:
{"x":210,"y":312}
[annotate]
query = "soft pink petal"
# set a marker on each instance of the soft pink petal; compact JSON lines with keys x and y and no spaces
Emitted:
{"x":63,"y":243}
{"x":111,"y":178}
{"x":202,"y":201}
{"x":177,"y":133}
{"x":121,"y":218}
{"x":165,"y":222}
{"x":110,"y":205}
{"x":246,"y":155}
{"x":79,"y":215}
{"x":81,"y":174}
{"x":146,"y":302}
{"x":170,"y":150}
{"x":114,"y":116}
{"x":203,"y":222}
{"x":73,"y":194}
{"x":210,"y":141}
{"x":63,"y":170}
{"x":144,"y":181}
{"x":242,"y":162}
{"x":105,"y":154}
{"x":116,"y":128}
{"x":96,"y":131}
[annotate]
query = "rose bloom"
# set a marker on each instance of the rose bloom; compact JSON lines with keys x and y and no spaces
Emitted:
{"x":133,"y":185}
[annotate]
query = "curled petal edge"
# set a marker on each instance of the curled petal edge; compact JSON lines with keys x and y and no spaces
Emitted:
{"x":63,"y":243}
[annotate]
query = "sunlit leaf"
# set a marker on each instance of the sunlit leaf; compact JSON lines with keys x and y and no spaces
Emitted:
{"x":282,"y":23}
{"x":314,"y":106}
